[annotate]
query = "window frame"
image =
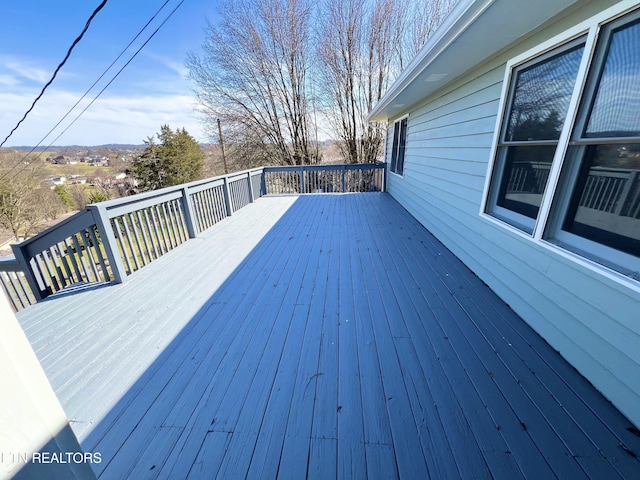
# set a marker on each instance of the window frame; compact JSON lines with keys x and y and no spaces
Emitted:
{"x":395,"y":146}
{"x":502,"y":145}
{"x":546,"y":230}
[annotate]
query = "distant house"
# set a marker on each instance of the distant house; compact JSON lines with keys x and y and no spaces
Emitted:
{"x":57,"y":181}
{"x":58,"y":160}
{"x":514,"y":137}
{"x":98,"y":162}
{"x":78,"y":179}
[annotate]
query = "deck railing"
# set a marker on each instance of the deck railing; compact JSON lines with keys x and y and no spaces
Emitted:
{"x":108,"y":241}
{"x":346,"y":178}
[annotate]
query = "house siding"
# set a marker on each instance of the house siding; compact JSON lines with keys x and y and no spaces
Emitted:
{"x":590,"y":317}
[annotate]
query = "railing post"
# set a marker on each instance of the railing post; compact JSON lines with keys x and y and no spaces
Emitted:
{"x":39,"y":291}
{"x":626,"y":191}
{"x":227,"y":196}
{"x":250,"y":185}
{"x":384,"y":177}
{"x":189,"y":217}
{"x":302,"y":182}
{"x":343,"y":170}
{"x":263,"y":182}
{"x":103,"y":225}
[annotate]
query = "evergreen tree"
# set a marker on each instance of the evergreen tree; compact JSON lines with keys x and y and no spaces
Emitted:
{"x":176,"y":159}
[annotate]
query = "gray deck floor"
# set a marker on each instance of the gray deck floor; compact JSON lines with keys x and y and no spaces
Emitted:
{"x":323,"y":337}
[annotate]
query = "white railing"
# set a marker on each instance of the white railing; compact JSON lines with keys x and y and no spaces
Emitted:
{"x":613,"y":190}
{"x":108,"y":241}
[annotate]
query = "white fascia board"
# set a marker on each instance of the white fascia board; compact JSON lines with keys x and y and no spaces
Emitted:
{"x":471,"y":33}
{"x":435,"y":45}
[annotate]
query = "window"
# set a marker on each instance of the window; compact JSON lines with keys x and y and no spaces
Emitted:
{"x":567,"y":162}
{"x":539,"y":100}
{"x":399,"y":143}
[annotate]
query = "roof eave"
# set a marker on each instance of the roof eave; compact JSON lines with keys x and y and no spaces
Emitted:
{"x":467,"y":37}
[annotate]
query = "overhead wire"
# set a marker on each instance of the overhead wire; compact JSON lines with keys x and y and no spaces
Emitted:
{"x":117,"y":74}
{"x":26,"y":164}
{"x":98,"y":80}
{"x":55,"y":73}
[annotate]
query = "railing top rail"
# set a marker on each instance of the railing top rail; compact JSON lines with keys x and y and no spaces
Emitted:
{"x":9,"y":263}
{"x":156,"y":194}
{"x":334,"y":166}
{"x":215,"y":182}
{"x":126,"y":207}
{"x":58,"y":232}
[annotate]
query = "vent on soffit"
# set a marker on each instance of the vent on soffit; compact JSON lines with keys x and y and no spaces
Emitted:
{"x":435,"y":77}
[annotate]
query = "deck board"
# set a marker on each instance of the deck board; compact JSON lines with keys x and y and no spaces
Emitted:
{"x":322,"y":336}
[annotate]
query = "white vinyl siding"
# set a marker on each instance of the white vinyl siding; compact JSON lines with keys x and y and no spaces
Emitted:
{"x":588,"y":314}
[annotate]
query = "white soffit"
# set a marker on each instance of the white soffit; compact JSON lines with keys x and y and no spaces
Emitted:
{"x":471,"y":33}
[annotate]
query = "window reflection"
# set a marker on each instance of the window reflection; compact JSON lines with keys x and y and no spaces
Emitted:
{"x":616,"y":108}
{"x":605,"y":204}
{"x":525,"y":177}
{"x":541,"y":97}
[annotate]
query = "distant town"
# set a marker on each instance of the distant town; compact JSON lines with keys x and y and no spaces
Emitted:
{"x":79,"y":175}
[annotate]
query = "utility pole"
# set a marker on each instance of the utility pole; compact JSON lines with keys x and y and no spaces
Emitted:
{"x":224,"y":158}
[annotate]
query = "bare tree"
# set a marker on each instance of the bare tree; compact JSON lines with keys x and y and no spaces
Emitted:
{"x":264,"y":61}
{"x":360,"y":53}
{"x":253,"y":73}
{"x":25,"y":202}
{"x":423,"y":19}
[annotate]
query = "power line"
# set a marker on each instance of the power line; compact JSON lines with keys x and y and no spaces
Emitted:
{"x":96,"y":82}
{"x":26,"y":164}
{"x":115,"y":76}
{"x":75,"y":42}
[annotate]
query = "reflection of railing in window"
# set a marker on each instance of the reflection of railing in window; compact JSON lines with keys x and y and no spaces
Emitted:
{"x":613,"y":190}
{"x":528,"y":177}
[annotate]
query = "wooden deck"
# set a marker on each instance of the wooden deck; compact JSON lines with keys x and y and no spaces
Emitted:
{"x":325,"y":336}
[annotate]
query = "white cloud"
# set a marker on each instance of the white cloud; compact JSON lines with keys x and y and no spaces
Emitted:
{"x":111,"y":119}
{"x":21,"y":69}
{"x":168,"y":62}
{"x":9,"y":80}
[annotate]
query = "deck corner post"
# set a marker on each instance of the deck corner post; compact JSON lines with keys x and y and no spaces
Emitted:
{"x":189,"y":216}
{"x":302,"y":179}
{"x":384,"y":177}
{"x":101,"y":219}
{"x":343,"y":169}
{"x":227,"y":196}
{"x":250,"y":186}
{"x":39,"y":291}
{"x":263,"y":182}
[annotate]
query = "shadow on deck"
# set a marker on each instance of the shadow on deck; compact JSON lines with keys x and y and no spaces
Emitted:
{"x":324,"y":337}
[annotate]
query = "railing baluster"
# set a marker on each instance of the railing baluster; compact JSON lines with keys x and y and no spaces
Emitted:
{"x":168,"y":222}
{"x":153,"y":243}
{"x":161,"y":230}
{"x":135,"y":228}
{"x":12,"y":294}
{"x":66,"y":276}
{"x":76,"y":273}
{"x":145,"y":247}
{"x":181,"y":221}
{"x":205,"y":210}
{"x":98,"y":248}
{"x":121,"y":243}
{"x":81,"y":252}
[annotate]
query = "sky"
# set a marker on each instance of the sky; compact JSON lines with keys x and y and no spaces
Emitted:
{"x":151,"y":91}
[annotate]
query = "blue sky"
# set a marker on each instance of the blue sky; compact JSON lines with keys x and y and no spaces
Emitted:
{"x":150,"y":92}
